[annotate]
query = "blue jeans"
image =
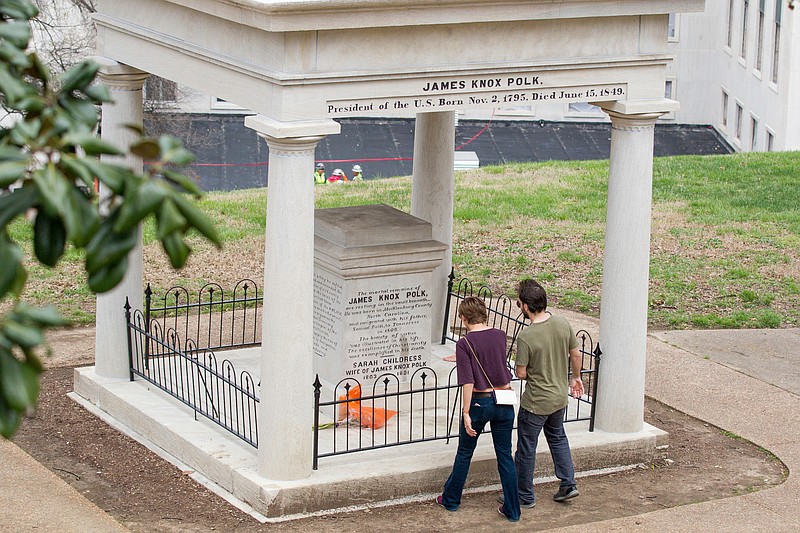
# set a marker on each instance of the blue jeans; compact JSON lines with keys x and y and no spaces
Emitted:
{"x":528,"y":427}
{"x":501,"y":420}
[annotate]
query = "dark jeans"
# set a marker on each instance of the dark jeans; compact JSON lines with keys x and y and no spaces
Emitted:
{"x":501,"y":420}
{"x":528,"y":427}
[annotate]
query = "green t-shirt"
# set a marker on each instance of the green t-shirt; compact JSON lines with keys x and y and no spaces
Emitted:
{"x":543,"y":349}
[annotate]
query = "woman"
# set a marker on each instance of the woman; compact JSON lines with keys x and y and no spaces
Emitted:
{"x":481,"y":366}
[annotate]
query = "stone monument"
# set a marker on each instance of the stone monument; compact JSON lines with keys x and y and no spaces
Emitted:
{"x":372,"y":292}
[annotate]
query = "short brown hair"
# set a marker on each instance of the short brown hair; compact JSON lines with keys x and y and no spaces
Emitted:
{"x":532,"y":294}
{"x":473,"y":310}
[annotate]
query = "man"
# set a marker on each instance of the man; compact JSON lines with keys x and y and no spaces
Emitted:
{"x":319,"y":174}
{"x":545,"y":350}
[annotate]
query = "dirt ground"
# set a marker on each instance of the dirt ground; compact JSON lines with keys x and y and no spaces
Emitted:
{"x":147,"y":494}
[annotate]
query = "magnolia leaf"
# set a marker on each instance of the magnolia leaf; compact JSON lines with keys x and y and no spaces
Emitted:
{"x":109,"y":276}
{"x":176,"y":249}
{"x":79,"y":77}
{"x":138,"y":203}
{"x":11,"y":259}
{"x":80,"y":217}
{"x":19,"y":382}
{"x":11,"y":171}
{"x":74,"y":168}
{"x":18,"y":33}
{"x":41,"y":316}
{"x":52,"y":186}
{"x":26,"y":336}
{"x":169,"y":220}
{"x":18,"y":9}
{"x":147,"y":149}
{"x":197,"y":219}
{"x":16,"y":203}
{"x":108,"y":246}
{"x":49,"y":238}
{"x":182,"y":181}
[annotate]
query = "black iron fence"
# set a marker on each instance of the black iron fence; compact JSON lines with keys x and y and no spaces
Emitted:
{"x":389,"y":412}
{"x":192,"y":375}
{"x":212,"y":319}
{"x":172,"y":346}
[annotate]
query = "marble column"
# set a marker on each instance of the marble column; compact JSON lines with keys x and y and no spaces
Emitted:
{"x":626,"y":262}
{"x":432,"y":191}
{"x":111,"y":345}
{"x":285,"y":411}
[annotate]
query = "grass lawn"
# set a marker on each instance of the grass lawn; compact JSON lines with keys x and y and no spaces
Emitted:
{"x":725,"y":248}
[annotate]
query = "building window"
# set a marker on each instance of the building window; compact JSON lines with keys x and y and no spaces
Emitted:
{"x":753,"y":133}
{"x":158,"y":89}
{"x":745,"y":16}
{"x":738,"y":123}
{"x":724,"y":109}
{"x":729,"y":39}
{"x":770,"y":141}
{"x":776,"y":40}
{"x":584,"y":109}
{"x":762,"y":7}
{"x":672,"y":28}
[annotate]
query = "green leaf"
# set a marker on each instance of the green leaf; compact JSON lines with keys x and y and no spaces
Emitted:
{"x":147,"y":149}
{"x":81,"y":218}
{"x":169,"y":219}
{"x":79,"y":77}
{"x":176,"y":249}
{"x":98,"y":93}
{"x":74,"y":168}
{"x":11,"y":86}
{"x":108,"y":246}
{"x":184,"y":182}
{"x":84,"y":113}
{"x":91,"y":144}
{"x":18,"y":33}
{"x":49,"y":238}
{"x":197,"y":219}
{"x":172,"y":151}
{"x":11,"y":171}
{"x":138,"y":129}
{"x":26,"y":336}
{"x":11,"y":259}
{"x":18,"y":9}
{"x":15,"y":203}
{"x":31,"y":104}
{"x":12,"y":153}
{"x":19,"y":382}
{"x":41,"y":316}
{"x":9,"y":419}
{"x":26,"y":130}
{"x":109,"y":276}
{"x":112,"y":176}
{"x":138,"y":204}
{"x":52,"y":186}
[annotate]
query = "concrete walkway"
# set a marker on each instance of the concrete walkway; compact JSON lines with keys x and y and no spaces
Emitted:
{"x":700,"y":373}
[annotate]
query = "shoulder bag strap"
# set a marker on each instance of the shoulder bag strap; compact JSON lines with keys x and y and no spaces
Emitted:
{"x":471,"y":349}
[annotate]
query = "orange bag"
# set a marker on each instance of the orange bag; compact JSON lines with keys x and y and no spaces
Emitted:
{"x":371,"y":417}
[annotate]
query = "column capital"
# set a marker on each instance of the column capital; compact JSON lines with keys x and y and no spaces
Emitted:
{"x":291,"y":146}
{"x":636,"y":122}
{"x":118,"y":76}
{"x":275,"y":129}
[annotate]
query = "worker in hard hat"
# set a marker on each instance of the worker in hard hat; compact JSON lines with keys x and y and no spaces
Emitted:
{"x":319,"y":173}
{"x":357,"y":173}
{"x":337,"y":177}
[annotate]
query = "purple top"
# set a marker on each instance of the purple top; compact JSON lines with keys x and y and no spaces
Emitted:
{"x":490,"y":347}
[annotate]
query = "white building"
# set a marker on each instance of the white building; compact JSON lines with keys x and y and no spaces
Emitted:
{"x":736,"y":67}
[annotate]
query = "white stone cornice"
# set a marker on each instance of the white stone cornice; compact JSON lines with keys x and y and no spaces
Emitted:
{"x":301,"y":15}
{"x":275,"y":129}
